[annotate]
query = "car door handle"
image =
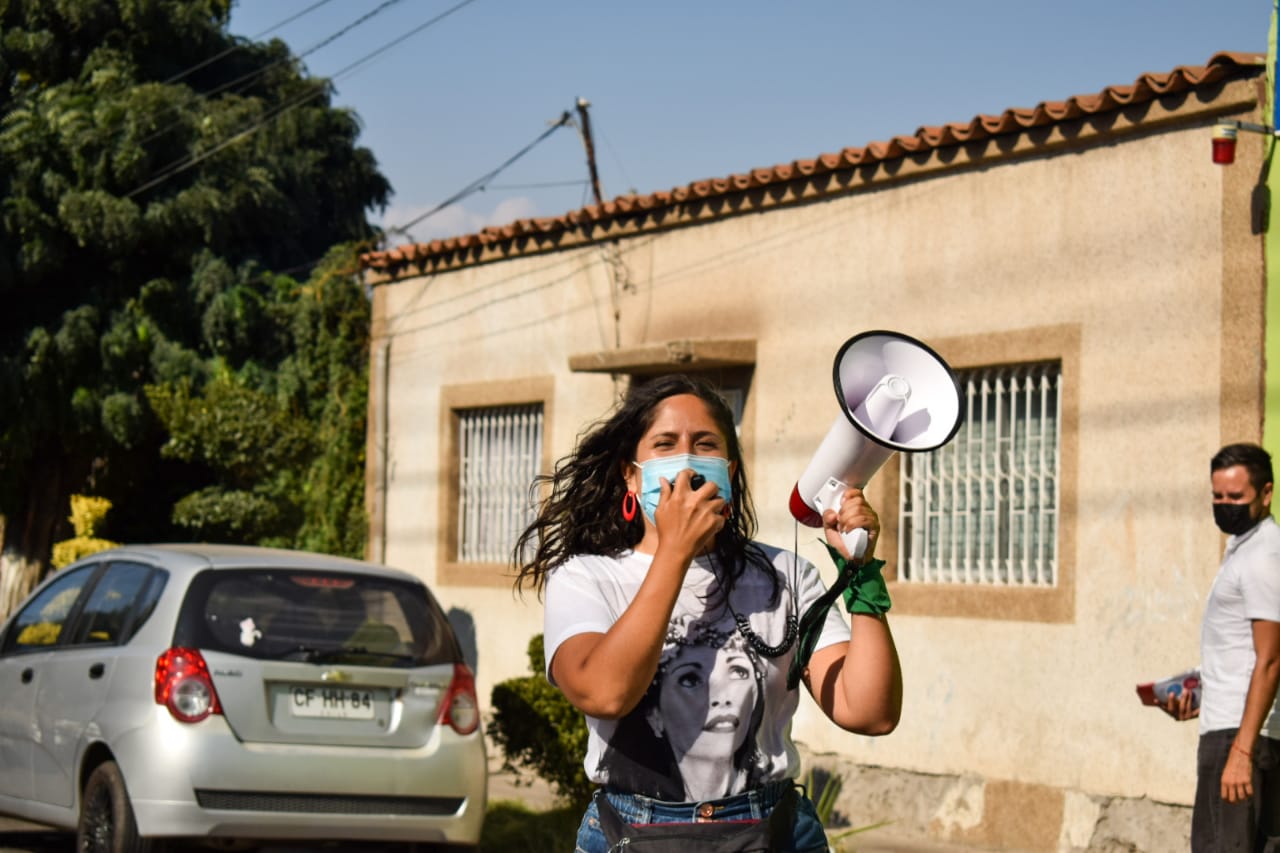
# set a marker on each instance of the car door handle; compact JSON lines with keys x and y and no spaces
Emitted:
{"x":97,"y":669}
{"x":27,"y":675}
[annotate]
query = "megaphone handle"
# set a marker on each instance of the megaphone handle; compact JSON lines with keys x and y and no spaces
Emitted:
{"x":855,"y":542}
{"x":832,"y":495}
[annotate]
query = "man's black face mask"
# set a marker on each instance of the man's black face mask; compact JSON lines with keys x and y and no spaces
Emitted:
{"x":1233,"y":519}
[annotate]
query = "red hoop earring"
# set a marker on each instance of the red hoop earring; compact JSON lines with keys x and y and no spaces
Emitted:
{"x":629,"y":506}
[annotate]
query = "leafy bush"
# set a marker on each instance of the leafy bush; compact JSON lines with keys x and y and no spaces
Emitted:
{"x":87,"y":514}
{"x":540,"y":732}
{"x":823,"y":787}
{"x":512,"y":826}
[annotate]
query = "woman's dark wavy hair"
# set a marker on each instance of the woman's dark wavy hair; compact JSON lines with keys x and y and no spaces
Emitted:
{"x":582,"y":514}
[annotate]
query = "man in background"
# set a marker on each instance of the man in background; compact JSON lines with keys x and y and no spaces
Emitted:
{"x":1237,"y":804}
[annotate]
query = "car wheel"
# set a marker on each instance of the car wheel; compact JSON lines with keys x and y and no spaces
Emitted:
{"x":106,"y":819}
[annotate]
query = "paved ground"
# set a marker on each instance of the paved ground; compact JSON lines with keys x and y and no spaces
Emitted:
{"x":536,"y":794}
{"x":530,"y":790}
{"x":20,"y":837}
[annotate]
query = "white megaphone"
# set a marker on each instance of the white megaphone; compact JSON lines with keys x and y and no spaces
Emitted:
{"x":895,"y":394}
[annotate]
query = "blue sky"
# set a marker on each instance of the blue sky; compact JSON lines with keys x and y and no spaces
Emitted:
{"x":682,"y":90}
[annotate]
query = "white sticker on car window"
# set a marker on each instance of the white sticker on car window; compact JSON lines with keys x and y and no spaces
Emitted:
{"x":249,"y":632}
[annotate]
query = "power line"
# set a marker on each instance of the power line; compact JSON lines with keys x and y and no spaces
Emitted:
{"x":269,"y":67}
{"x":331,"y":38}
{"x":541,"y":185}
{"x":480,"y":183}
{"x":616,"y":159}
{"x":194,"y":68}
{"x":179,"y":166}
{"x":407,"y":35}
{"x":290,"y":19}
{"x":327,"y":40}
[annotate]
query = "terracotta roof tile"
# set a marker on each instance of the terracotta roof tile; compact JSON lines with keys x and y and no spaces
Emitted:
{"x":1148,"y":87}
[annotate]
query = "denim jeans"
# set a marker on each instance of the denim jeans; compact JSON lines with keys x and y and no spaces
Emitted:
{"x":807,"y":835}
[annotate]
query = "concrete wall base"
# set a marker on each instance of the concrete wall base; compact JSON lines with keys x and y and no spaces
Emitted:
{"x":994,"y":814}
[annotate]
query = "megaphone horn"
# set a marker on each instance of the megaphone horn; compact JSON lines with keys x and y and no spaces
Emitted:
{"x":895,"y":394}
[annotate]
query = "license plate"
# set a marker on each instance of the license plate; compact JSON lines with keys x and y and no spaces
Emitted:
{"x":337,"y":702}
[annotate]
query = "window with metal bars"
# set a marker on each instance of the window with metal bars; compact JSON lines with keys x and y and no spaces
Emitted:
{"x":983,"y":509}
{"x":499,"y":449}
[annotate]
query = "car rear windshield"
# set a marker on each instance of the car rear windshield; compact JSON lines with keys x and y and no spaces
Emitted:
{"x":321,"y":617}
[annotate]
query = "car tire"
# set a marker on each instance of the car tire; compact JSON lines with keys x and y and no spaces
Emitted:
{"x":106,"y":822}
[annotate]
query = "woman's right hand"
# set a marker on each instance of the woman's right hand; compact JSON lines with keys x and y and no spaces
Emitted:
{"x":688,"y":519}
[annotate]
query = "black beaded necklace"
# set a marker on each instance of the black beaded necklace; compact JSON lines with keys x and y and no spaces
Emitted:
{"x":757,"y":642}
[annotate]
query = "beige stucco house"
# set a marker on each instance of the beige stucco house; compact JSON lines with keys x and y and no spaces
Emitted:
{"x":1096,"y":281}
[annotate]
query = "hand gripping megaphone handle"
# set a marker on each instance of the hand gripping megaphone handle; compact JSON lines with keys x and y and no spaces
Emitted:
{"x":830,"y":496}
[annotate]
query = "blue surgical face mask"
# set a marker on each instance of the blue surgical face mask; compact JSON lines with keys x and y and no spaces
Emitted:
{"x":654,"y":471}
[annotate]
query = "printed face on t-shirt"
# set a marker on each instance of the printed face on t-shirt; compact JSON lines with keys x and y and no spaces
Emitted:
{"x":706,"y":700}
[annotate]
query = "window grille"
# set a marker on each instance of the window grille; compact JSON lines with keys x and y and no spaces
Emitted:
{"x":983,"y":509}
{"x":499,"y":452}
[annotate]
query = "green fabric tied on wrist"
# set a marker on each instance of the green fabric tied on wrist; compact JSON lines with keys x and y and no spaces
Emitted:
{"x":866,"y":592}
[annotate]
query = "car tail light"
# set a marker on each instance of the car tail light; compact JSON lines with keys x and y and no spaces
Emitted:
{"x":184,"y":687}
{"x":460,"y":710}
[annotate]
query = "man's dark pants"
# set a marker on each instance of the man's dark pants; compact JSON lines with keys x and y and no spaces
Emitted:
{"x":1252,"y":826}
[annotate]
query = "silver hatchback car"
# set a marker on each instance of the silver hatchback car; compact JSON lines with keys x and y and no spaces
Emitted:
{"x":207,"y":692}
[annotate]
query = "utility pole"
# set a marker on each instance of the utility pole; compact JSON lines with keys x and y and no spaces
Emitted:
{"x":589,"y":144}
{"x":619,"y":273}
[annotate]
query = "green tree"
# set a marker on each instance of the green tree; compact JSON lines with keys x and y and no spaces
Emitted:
{"x":284,"y":445}
{"x":160,"y":181}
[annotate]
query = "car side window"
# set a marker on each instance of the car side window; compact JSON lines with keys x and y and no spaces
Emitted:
{"x":107,"y":616}
{"x":40,"y":623}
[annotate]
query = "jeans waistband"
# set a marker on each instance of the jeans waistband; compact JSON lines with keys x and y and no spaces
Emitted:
{"x":756,"y":802}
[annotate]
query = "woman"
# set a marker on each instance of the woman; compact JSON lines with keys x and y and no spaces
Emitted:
{"x":647,"y":527}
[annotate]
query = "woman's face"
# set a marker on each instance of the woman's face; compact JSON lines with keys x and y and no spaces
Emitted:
{"x":682,"y":424}
{"x":706,"y":701}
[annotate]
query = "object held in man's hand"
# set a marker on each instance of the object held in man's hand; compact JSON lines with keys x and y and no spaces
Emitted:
{"x":1159,"y":692}
{"x":696,"y":481}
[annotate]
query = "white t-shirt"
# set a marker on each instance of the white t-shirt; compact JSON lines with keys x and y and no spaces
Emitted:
{"x":1247,"y":587}
{"x":717,"y":718}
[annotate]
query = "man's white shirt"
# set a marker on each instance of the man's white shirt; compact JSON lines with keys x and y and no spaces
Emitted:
{"x":1246,"y":588}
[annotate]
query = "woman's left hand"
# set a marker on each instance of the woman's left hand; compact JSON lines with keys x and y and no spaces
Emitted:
{"x":854,"y":513}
